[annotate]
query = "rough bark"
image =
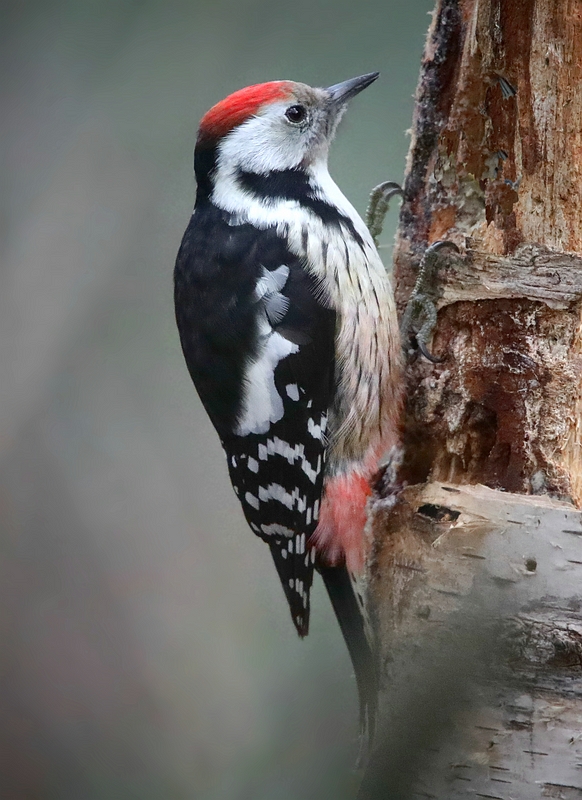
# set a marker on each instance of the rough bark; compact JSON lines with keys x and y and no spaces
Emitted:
{"x":475,"y":588}
{"x":495,"y":165}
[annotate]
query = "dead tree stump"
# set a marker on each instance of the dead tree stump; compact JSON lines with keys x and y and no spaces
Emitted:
{"x":476,"y":587}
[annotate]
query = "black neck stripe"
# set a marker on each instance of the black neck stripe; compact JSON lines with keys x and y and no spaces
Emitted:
{"x":293,"y":184}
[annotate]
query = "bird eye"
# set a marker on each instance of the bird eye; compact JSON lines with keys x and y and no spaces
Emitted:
{"x":296,"y":113}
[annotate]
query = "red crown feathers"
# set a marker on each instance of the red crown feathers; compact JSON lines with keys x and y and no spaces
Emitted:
{"x":238,"y":107}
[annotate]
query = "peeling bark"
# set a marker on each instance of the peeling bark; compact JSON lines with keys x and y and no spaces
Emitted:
{"x":495,"y":165}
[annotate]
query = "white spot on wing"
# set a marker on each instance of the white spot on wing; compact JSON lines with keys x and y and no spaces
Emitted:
{"x":275,"y":528}
{"x":274,"y":491}
{"x":309,"y":470}
{"x":252,"y":500}
{"x":277,"y":446}
{"x":253,"y":464}
{"x":317,"y":431}
{"x":292,"y":391}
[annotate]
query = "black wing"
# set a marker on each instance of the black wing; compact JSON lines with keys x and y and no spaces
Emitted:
{"x":235,"y":288}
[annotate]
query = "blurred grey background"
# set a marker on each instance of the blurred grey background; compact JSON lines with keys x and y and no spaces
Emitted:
{"x":146,"y":649}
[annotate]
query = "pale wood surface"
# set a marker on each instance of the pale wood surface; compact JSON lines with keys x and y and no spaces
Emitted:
{"x":477,"y":595}
{"x":531,"y":272}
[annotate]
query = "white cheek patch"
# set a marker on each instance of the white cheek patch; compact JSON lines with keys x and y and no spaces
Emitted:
{"x":264,"y":143}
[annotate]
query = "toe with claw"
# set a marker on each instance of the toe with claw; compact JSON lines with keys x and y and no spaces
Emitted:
{"x":378,"y":204}
{"x":420,"y":315}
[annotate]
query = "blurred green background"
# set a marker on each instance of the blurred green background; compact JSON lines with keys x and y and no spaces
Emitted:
{"x":147,"y":650}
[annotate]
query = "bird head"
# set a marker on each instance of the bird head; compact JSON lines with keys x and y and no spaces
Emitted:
{"x":275,"y":126}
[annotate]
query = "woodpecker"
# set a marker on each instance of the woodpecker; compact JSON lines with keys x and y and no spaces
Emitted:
{"x":288,"y":326}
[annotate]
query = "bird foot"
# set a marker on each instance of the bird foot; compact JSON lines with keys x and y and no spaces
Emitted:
{"x":420,"y":316}
{"x":378,"y":205}
{"x":386,"y":482}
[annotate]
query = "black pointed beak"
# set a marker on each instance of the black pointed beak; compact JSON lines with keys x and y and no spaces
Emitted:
{"x":340,"y":93}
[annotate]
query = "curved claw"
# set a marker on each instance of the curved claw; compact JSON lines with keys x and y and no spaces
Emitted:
{"x":440,"y":245}
{"x":387,"y":190}
{"x":428,"y":355}
{"x":420,"y":301}
{"x":380,"y":197}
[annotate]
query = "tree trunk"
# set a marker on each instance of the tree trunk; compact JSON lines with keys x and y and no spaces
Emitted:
{"x":476,"y":592}
{"x":496,"y":166}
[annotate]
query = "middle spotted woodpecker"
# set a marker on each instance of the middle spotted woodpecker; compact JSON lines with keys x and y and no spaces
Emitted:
{"x":288,"y":326}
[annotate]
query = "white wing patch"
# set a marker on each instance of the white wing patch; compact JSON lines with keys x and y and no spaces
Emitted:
{"x":262,"y":403}
{"x":268,"y":288}
{"x":271,"y":281}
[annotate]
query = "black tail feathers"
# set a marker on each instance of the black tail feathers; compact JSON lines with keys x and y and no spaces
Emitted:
{"x":351,"y":621}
